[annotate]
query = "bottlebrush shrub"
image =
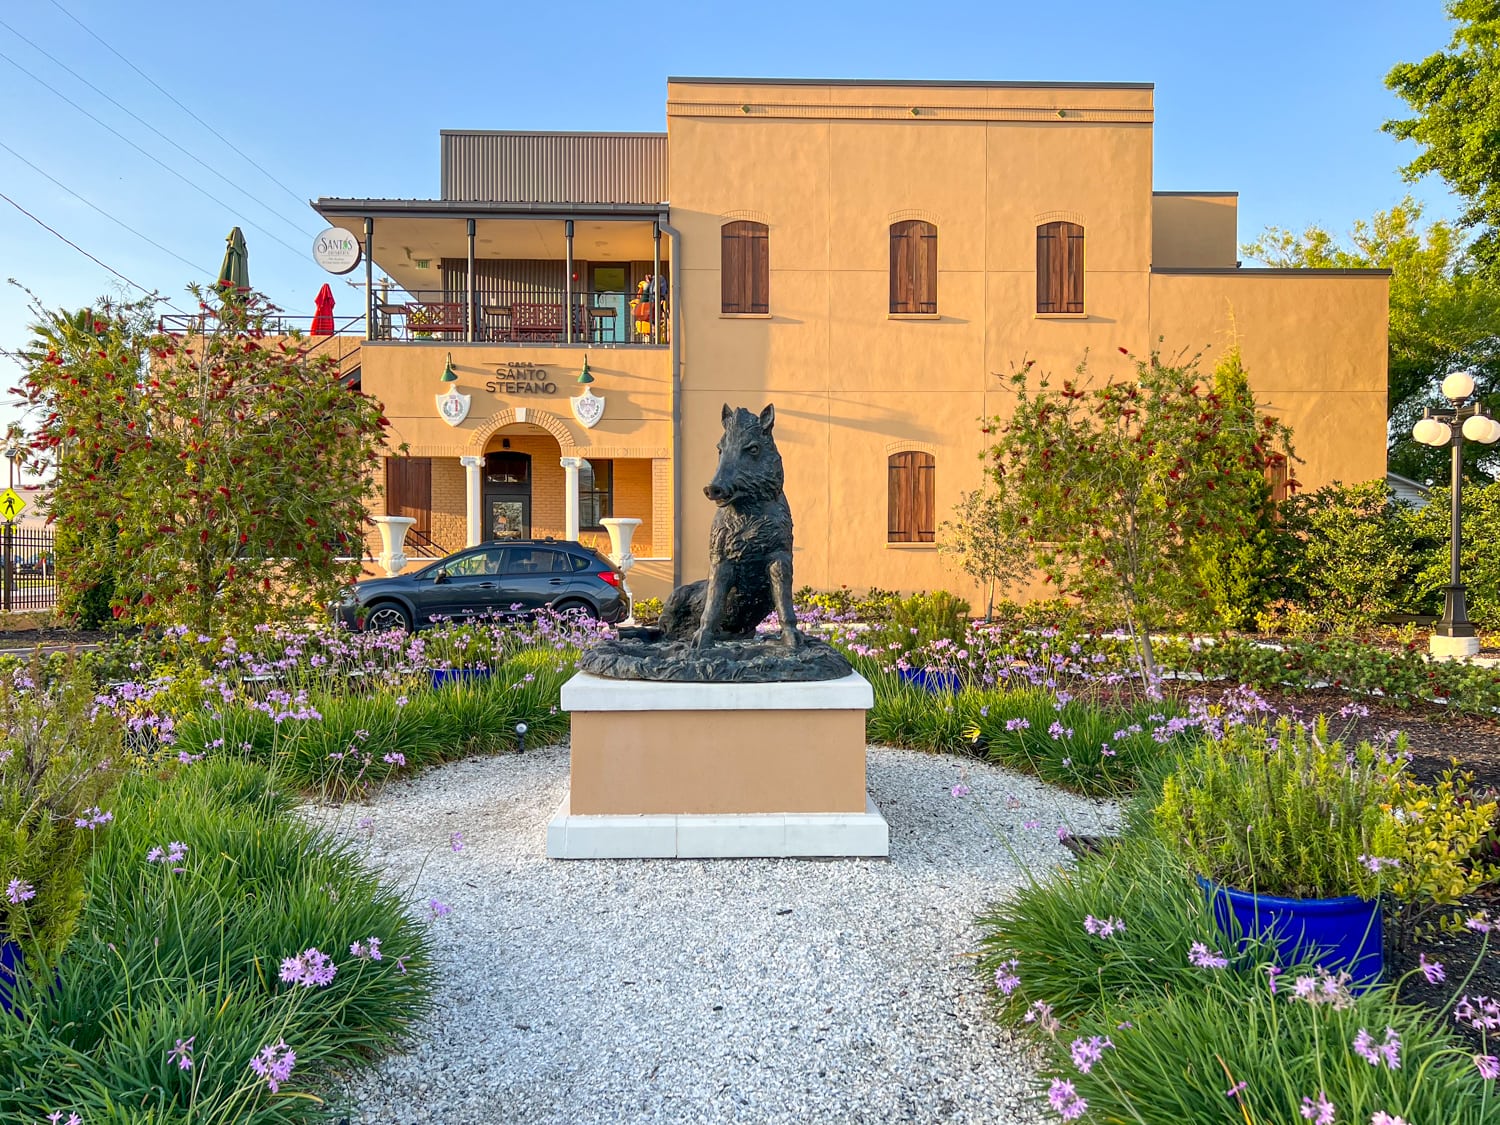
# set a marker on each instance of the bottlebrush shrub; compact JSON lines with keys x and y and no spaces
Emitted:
{"x":191,"y":950}
{"x":1283,"y":810}
{"x":1227,"y":1049}
{"x":59,"y":764}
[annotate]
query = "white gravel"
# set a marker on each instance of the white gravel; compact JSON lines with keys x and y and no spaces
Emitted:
{"x":785,"y":990}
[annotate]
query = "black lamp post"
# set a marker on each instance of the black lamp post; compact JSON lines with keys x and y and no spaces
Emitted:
{"x":1454,"y":635}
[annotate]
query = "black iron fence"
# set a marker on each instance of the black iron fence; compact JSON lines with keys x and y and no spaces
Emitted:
{"x":28,"y":579}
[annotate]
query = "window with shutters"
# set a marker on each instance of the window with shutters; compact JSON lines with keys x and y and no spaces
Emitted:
{"x":910,"y":505}
{"x":1059,"y":268}
{"x":408,"y":490}
{"x":913,"y":267}
{"x":745,"y":267}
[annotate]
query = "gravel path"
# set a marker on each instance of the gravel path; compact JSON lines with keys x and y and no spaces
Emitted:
{"x":708,"y":990}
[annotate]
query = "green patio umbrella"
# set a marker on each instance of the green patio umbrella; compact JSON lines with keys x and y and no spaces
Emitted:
{"x":236,"y":268}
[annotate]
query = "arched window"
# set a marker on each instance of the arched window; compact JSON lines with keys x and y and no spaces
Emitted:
{"x":745,"y":267}
{"x":1059,"y":268}
{"x":596,"y":493}
{"x":909,"y":514}
{"x":914,"y":249}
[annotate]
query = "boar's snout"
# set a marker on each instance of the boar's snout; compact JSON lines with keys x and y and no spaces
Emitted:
{"x":716,"y":492}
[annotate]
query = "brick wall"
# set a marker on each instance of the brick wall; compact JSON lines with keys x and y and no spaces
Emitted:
{"x":450,"y":521}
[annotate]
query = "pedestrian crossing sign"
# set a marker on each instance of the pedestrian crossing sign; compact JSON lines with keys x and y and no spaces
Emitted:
{"x":11,"y":505}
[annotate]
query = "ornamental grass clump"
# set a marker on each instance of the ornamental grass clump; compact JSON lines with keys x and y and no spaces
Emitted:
{"x":1282,"y":810}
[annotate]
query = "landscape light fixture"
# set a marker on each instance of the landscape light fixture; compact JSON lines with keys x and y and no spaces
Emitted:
{"x":521,"y":730}
{"x":448,"y":375}
{"x":1454,"y":634}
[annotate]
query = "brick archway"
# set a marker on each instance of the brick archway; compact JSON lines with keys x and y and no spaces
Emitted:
{"x":554,"y":425}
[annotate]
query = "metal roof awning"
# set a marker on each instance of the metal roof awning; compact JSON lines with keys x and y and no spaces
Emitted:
{"x":333,"y":209}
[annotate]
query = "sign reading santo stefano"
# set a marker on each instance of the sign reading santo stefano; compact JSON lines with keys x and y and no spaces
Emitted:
{"x":518,"y":378}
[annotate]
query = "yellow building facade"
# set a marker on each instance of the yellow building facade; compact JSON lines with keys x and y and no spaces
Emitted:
{"x":872,"y":257}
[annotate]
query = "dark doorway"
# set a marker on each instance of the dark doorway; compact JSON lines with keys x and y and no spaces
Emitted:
{"x":507,"y":495}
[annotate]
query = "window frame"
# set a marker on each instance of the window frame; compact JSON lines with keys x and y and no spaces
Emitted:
{"x":1060,"y":249}
{"x":914,"y":281}
{"x":589,"y":498}
{"x":907,"y":493}
{"x":745,"y":268}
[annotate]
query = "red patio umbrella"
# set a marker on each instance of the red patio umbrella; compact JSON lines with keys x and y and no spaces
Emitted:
{"x":322,"y":324}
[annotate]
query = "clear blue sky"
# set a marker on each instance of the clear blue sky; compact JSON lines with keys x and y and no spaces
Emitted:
{"x":1281,"y":101}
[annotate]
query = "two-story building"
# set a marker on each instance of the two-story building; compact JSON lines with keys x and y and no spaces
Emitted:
{"x":871,"y":256}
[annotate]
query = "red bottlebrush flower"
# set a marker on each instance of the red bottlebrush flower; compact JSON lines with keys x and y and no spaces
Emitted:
{"x":1124,"y":351}
{"x":244,"y":538}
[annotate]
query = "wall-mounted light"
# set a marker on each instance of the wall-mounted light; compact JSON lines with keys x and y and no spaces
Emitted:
{"x":448,"y":375}
{"x":584,"y":376}
{"x":1062,"y":113}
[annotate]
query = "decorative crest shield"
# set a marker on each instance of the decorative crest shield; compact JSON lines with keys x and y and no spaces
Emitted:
{"x":453,"y":407}
{"x":588,"y":407}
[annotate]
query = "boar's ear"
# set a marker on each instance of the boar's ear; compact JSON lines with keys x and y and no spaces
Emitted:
{"x":727,"y":414}
{"x":768,"y":418}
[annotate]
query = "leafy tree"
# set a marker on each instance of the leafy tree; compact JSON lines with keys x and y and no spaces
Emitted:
{"x":222,"y":481}
{"x":985,"y":544}
{"x":1444,"y":313}
{"x":1118,"y":487}
{"x":1456,"y":97}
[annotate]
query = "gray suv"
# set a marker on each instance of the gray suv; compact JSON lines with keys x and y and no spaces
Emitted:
{"x":512,"y":577}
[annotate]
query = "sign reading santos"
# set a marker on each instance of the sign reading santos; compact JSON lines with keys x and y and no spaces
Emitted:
{"x":516,"y":378}
{"x":336,"y":250}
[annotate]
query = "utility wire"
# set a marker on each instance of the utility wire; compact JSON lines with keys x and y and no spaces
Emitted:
{"x":118,"y":222}
{"x":195,"y":159}
{"x":85,"y":253}
{"x":178,"y":104}
{"x":154,"y":159}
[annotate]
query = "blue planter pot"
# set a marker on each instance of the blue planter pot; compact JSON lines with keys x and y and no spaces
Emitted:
{"x":930,"y":680}
{"x":442,"y":676}
{"x":1341,"y":934}
{"x":11,"y":965}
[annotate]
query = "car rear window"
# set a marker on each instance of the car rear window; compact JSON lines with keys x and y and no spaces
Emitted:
{"x":582,"y":562}
{"x":535,"y":560}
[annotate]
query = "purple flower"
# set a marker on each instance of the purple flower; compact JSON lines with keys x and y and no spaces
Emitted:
{"x":1005,"y":977}
{"x":1017,"y":724}
{"x":961,"y":790}
{"x":309,"y":968}
{"x":1381,"y":1117}
{"x":1489,"y":1067}
{"x":438,"y":908}
{"x":401,"y":965}
{"x":274,"y":1064}
{"x":1319,"y":1112}
{"x":1388,"y":1052}
{"x":19,"y":891}
{"x":1199,"y":955}
{"x":1065,"y":1100}
{"x":1086,"y":1052}
{"x":93,"y":818}
{"x":1107,"y":928}
{"x":1432,"y":970}
{"x":1040,"y":1013}
{"x":456,"y":841}
{"x":1377,"y":863}
{"x":1235,"y":1090}
{"x":183,"y":1053}
{"x":1481,"y":1013}
{"x":1272,"y":972}
{"x":1057,"y":730}
{"x":366,"y":950}
{"x":395,"y":758}
{"x":1480,"y":923}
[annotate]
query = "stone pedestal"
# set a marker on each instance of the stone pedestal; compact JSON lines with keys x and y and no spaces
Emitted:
{"x":1453,"y":646}
{"x":393,"y":531}
{"x":663,"y":770}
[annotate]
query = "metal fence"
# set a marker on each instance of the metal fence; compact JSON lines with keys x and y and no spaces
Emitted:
{"x":28,"y":579}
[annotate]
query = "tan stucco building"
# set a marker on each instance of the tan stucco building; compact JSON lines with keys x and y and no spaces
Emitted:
{"x":872,"y":257}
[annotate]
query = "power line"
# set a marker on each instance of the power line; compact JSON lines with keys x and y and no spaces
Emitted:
{"x":58,"y":234}
{"x":191,"y":156}
{"x":118,"y":222}
{"x":154,"y":159}
{"x":178,"y":104}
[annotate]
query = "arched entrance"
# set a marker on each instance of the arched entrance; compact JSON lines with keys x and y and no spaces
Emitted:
{"x":522,"y":484}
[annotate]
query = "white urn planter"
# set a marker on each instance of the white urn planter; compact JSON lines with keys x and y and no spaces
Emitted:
{"x":621,"y":531}
{"x":393,"y":531}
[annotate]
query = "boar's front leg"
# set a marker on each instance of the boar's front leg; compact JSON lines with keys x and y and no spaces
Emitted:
{"x":713,"y":605}
{"x":781,"y":593}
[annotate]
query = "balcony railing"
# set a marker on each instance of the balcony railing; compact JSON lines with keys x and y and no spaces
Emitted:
{"x":443,"y":316}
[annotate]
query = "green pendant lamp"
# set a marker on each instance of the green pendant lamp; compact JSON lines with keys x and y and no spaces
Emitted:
{"x":584,"y":376}
{"x":448,"y":375}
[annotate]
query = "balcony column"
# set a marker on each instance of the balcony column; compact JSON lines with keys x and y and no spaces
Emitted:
{"x":473,"y":467}
{"x":570,"y":497}
{"x":469,"y":321}
{"x":568,"y":288}
{"x":656,"y":283}
{"x":370,"y":278}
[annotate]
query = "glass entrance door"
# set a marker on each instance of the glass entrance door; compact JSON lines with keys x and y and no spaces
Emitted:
{"x":508,"y":517}
{"x":609,"y":291}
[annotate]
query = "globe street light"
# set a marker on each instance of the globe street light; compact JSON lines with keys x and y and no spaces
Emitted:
{"x":1454,"y":635}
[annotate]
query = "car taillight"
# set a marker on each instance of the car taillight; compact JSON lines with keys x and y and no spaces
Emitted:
{"x":609,"y":576}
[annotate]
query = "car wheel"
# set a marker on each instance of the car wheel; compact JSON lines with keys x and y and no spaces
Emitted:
{"x":583,"y":609}
{"x":387,"y":615}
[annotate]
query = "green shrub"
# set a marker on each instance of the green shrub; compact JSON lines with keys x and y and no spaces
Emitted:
{"x":921,"y":619}
{"x":648,"y":610}
{"x":1479,"y":561}
{"x":1281,"y":810}
{"x":59,"y":764}
{"x":165,"y":954}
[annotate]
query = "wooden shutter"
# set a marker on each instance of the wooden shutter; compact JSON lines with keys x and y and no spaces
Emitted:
{"x":913,"y":267}
{"x":1059,"y":268}
{"x":745,"y":267}
{"x":408,"y":490}
{"x":1279,"y":477}
{"x":910,"y":497}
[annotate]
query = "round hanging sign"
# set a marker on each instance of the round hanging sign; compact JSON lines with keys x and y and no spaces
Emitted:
{"x":336,"y":250}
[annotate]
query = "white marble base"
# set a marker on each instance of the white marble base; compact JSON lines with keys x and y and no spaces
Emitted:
{"x":1453,"y":646}
{"x":702,"y":836}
